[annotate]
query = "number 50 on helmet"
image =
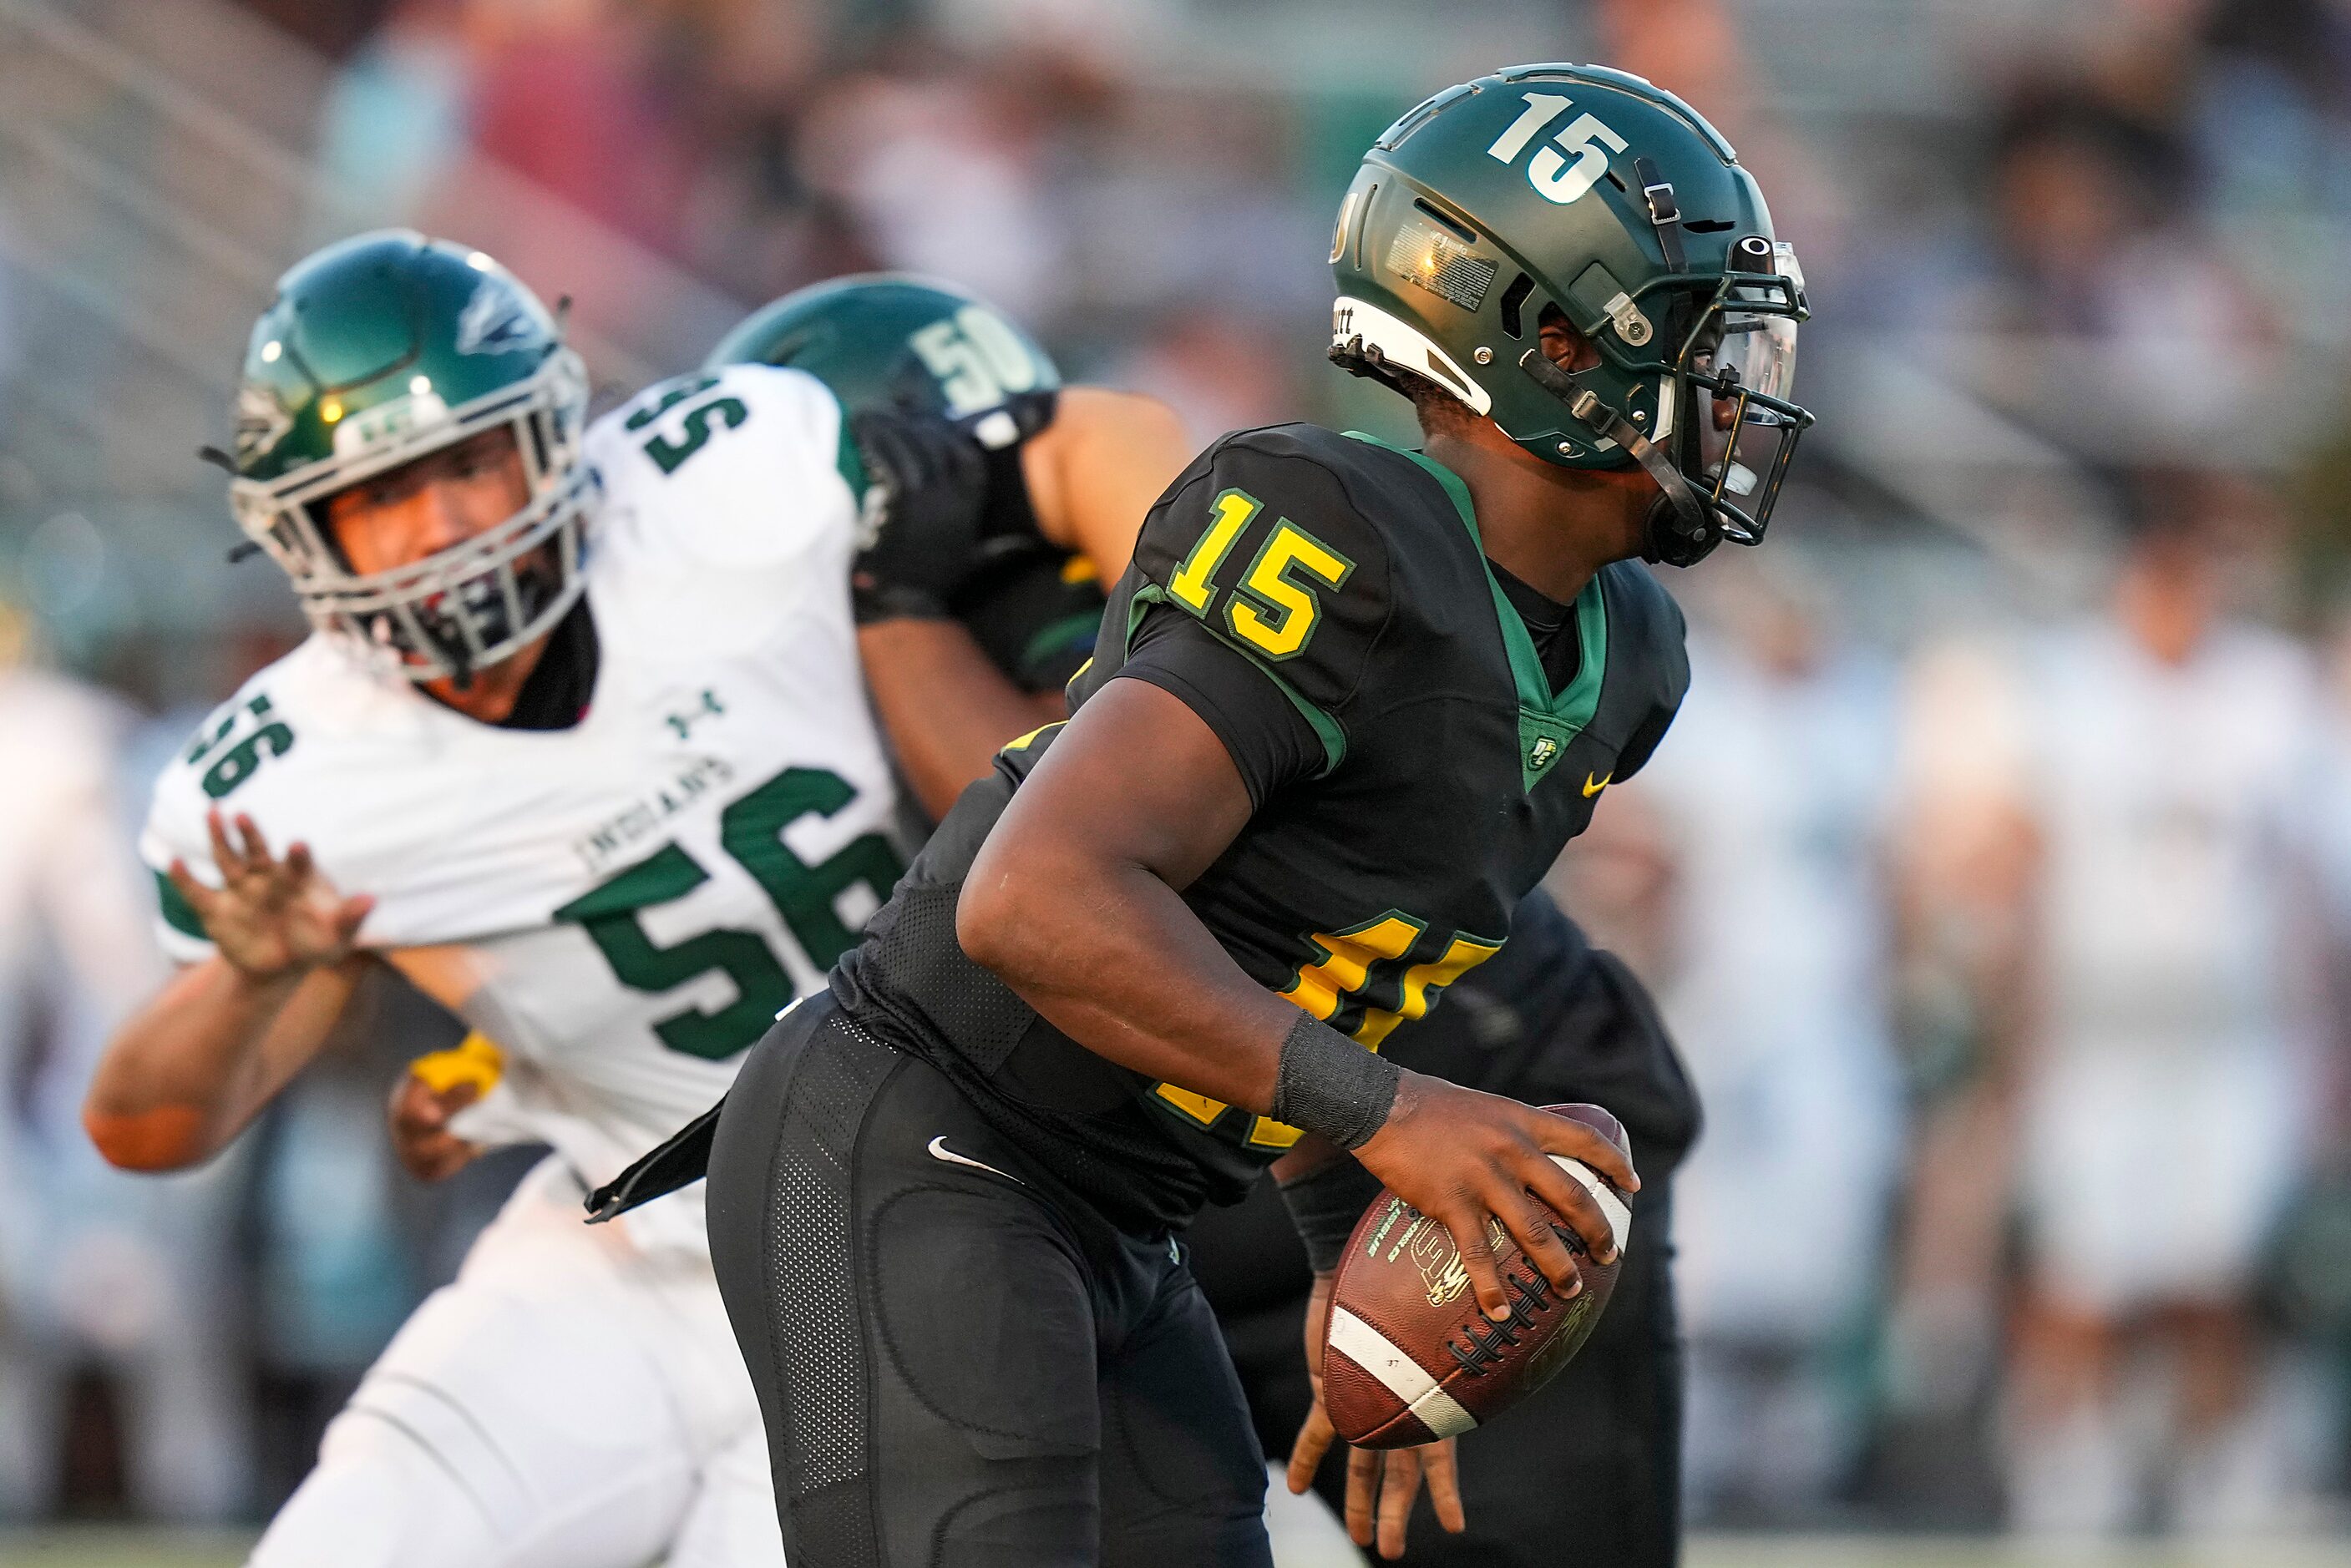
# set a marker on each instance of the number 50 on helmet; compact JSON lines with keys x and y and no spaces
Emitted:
{"x":1589,"y":193}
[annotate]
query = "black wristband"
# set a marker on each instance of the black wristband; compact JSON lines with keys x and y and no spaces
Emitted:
{"x":1324,"y":1205}
{"x":1332,"y":1086}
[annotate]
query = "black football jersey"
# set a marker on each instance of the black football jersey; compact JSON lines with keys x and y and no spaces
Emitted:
{"x":1349,"y":575}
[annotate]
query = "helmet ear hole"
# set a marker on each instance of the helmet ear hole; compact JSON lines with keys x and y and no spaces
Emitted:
{"x":1583,"y":353}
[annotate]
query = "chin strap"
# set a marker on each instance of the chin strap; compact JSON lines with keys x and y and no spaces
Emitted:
{"x":1681,"y":529}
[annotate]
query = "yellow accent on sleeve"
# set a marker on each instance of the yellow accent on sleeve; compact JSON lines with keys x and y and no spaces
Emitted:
{"x":1267,"y":1132}
{"x":1022,"y":743}
{"x":1199,"y":1107}
{"x":1319,"y":989}
{"x":474,"y":1059}
{"x":1264,"y":1131}
{"x":1297,"y":610}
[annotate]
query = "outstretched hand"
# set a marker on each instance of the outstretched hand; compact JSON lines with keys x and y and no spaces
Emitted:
{"x":270,"y":918}
{"x":1380,"y":1484}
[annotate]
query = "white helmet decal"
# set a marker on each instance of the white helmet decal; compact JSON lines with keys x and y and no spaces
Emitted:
{"x":1404,"y":347}
{"x":496,"y":321}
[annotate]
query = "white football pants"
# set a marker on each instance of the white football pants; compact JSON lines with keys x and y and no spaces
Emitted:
{"x":570,"y":1402}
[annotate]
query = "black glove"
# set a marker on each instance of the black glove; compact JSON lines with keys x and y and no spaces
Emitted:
{"x":931,"y":478}
{"x":1018,"y":417}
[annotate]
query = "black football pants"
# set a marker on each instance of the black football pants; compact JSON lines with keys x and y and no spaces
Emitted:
{"x":961,"y":1364}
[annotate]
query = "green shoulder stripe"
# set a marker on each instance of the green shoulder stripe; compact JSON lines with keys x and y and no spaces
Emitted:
{"x":1548,"y":720}
{"x":1326,"y":729}
{"x":848,"y":459}
{"x":178,"y":913}
{"x":1060,"y":637}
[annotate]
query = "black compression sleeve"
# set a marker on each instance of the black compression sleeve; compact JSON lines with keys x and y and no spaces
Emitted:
{"x":1270,"y":742}
{"x":1324,"y":1206}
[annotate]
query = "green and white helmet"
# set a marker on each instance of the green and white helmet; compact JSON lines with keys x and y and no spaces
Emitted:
{"x":1590,"y":191}
{"x":896,"y":340}
{"x":383,"y":349}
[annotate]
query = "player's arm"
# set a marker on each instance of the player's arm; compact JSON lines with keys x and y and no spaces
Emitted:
{"x":186,"y":1072}
{"x":1095,"y":471}
{"x":1075,"y":902}
{"x":948,"y":710}
{"x":1092,"y":473}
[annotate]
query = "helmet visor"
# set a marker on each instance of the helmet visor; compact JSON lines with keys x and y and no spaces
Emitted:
{"x":1737,"y":424}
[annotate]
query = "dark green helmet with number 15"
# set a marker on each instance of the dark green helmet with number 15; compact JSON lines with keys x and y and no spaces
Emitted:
{"x":383,"y":349}
{"x":1588,"y":192}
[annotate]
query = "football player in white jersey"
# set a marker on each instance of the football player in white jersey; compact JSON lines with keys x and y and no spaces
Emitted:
{"x":2157,"y":758}
{"x":580,"y":747}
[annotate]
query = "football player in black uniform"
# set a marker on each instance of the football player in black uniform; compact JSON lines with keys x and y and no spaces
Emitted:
{"x":1366,"y":696}
{"x":1001,"y":610}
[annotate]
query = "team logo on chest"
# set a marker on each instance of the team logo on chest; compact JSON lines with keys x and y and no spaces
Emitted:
{"x":1542,"y":754}
{"x":707,"y":706}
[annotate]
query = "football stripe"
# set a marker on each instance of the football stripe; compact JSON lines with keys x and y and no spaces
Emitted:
{"x":1399,"y":1374}
{"x":1620,"y":1218}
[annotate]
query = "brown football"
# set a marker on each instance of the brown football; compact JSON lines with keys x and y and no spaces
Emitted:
{"x":1408,"y":1357}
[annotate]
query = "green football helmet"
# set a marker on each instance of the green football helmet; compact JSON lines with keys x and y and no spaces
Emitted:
{"x":1588,"y":190}
{"x":383,"y":349}
{"x":896,"y":341}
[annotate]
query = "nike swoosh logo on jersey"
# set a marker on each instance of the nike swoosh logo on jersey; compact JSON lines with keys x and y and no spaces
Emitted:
{"x":1592,"y":787}
{"x":940,"y":1152}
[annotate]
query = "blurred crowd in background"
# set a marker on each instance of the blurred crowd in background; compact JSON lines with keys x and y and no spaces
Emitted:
{"x":1996,"y":879}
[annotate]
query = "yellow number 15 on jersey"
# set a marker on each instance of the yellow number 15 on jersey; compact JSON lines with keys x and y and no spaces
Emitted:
{"x":1272,"y":610}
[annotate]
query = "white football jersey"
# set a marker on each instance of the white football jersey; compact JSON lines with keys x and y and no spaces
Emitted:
{"x":623,"y":906}
{"x":2174,"y":802}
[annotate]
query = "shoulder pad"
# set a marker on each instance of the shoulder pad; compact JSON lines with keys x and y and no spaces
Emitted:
{"x":228,"y":751}
{"x":1265,"y":540}
{"x":744,"y":465}
{"x":309,"y":747}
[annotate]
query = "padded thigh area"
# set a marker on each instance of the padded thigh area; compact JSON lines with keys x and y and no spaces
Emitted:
{"x":1183,"y":1480}
{"x":986,"y":1318}
{"x":996,"y":1349}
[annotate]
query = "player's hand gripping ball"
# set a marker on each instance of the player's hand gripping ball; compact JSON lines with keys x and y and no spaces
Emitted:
{"x":1408,"y":1357}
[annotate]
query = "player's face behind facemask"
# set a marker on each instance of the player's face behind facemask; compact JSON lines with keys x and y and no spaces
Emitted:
{"x":380,"y":355}
{"x":421,"y":518}
{"x":406,"y":514}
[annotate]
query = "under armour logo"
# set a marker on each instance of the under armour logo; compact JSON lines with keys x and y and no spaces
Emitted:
{"x":683,"y":722}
